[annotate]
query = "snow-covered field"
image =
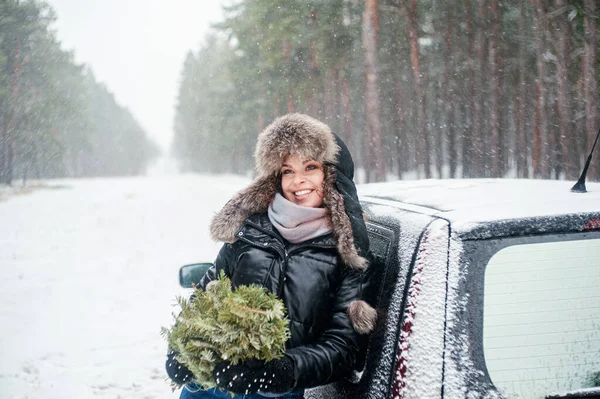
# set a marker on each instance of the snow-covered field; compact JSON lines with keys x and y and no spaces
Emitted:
{"x":88,"y":275}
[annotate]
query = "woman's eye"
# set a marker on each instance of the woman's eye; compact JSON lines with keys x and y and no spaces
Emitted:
{"x":311,"y":167}
{"x":286,"y":172}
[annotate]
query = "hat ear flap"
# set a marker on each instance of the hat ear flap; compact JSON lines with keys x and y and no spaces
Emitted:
{"x":253,"y":199}
{"x":363,"y":316}
{"x":340,"y":222}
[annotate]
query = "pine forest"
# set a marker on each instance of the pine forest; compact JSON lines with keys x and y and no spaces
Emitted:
{"x":56,"y":120}
{"x":417,"y":89}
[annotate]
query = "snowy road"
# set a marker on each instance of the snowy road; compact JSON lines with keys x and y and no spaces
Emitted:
{"x":88,"y":275}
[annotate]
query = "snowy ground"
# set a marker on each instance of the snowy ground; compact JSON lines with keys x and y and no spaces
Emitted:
{"x":88,"y":275}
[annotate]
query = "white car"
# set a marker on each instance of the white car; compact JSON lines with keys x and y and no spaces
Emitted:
{"x":486,"y":288}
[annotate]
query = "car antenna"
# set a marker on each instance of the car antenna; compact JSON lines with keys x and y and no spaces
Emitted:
{"x":579,"y":187}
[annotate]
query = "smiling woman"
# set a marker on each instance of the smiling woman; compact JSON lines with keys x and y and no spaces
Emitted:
{"x":298,"y":232}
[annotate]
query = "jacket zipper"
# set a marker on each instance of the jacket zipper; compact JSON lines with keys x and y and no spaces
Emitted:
{"x":283,"y":277}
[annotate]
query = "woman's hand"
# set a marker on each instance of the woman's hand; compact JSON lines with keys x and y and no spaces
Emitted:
{"x":276,"y":376}
{"x":176,"y":371}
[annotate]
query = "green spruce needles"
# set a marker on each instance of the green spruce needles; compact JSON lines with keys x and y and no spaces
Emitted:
{"x":221,"y":324}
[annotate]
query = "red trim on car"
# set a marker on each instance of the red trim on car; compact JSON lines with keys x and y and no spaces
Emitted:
{"x":401,"y":366}
{"x":593,"y":224}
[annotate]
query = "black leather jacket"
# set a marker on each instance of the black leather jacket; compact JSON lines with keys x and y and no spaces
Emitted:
{"x":315,"y":288}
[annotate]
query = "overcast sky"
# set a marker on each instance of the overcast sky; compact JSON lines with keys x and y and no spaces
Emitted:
{"x":137,"y":48}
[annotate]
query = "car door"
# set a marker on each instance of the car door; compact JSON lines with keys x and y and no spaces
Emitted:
{"x":419,"y":358}
{"x":394,"y":236}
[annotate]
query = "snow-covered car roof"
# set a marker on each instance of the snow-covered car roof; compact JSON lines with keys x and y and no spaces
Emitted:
{"x":469,"y":202}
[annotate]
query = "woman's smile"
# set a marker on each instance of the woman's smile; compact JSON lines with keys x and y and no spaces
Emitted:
{"x":302,"y":193}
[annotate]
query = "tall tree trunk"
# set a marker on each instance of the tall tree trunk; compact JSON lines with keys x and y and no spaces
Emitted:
{"x":497,"y":142}
{"x":315,"y":95}
{"x":556,"y":167}
{"x":12,"y":124}
{"x":469,"y":127}
{"x":24,"y":174}
{"x":447,"y":90}
{"x":328,"y":98}
{"x":567,"y":140}
{"x":3,"y":129}
{"x":579,"y":105}
{"x":347,"y":109}
{"x":260,"y":123}
{"x":418,"y":75}
{"x":541,"y":154}
{"x":276,"y":104}
{"x":290,"y":102}
{"x":337,"y":90}
{"x":401,"y":155}
{"x":520,"y":104}
{"x":437,"y":144}
{"x":515,"y":147}
{"x":370,"y":31}
{"x":480,"y":137}
{"x":592,"y":122}
{"x":289,"y":96}
{"x":332,"y":98}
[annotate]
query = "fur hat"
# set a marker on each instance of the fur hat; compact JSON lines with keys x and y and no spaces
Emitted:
{"x":294,"y":134}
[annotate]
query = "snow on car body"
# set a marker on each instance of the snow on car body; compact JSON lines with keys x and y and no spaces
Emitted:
{"x":486,"y":288}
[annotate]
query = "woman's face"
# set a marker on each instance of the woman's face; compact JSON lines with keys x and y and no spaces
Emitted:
{"x":302,"y":181}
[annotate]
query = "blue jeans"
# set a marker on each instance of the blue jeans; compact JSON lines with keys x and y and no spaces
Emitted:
{"x":193,"y":391}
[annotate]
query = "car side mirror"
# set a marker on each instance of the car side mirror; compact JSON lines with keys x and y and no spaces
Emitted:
{"x":192,"y":274}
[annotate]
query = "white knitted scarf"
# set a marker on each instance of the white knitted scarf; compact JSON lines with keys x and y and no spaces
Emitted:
{"x":298,"y":223}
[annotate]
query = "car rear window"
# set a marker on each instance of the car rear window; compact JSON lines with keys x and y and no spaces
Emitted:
{"x":541,"y":319}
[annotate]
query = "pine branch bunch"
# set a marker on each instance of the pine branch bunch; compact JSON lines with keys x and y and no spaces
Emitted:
{"x":221,"y":324}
